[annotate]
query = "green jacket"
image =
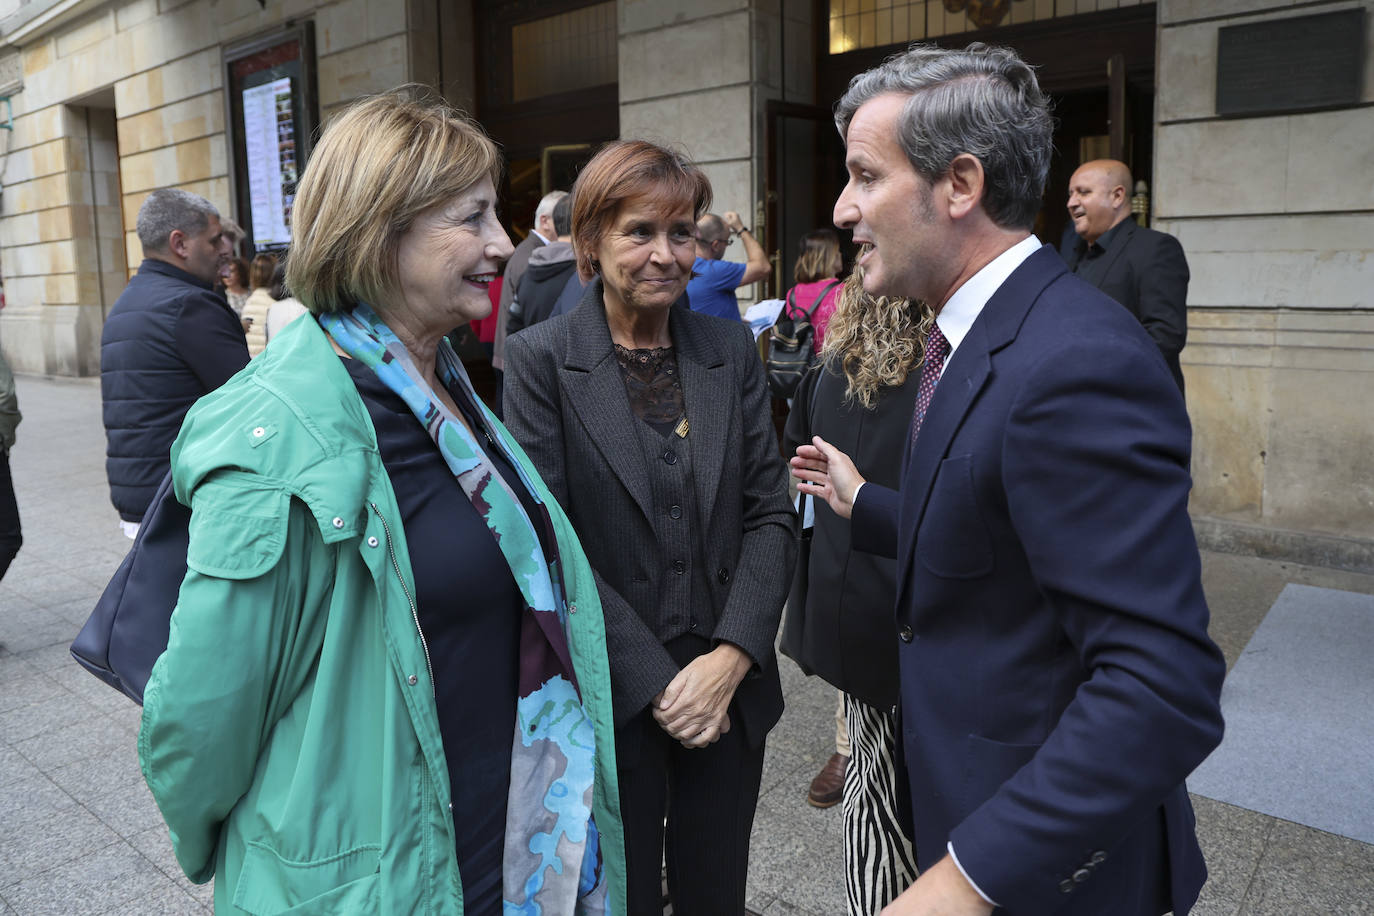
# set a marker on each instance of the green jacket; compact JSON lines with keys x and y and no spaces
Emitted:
{"x":290,"y":735}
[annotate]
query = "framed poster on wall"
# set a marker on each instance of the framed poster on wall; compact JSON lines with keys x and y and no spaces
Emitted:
{"x":272,"y":113}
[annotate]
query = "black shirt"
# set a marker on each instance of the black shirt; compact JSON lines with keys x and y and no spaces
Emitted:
{"x":1091,"y":263}
{"x":470,"y":613}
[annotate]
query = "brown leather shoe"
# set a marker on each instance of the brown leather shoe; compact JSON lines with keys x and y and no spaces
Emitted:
{"x":828,"y":787}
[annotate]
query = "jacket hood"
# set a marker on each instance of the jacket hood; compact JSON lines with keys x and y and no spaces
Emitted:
{"x":550,"y":258}
{"x":292,"y":415}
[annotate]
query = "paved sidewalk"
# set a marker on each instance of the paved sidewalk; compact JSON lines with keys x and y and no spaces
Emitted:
{"x":80,"y":834}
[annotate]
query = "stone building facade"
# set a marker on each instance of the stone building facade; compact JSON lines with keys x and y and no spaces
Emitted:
{"x":112,"y":98}
{"x":1276,"y":214}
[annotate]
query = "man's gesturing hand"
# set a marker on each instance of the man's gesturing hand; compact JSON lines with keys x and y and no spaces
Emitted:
{"x":827,"y":473}
{"x":941,"y":890}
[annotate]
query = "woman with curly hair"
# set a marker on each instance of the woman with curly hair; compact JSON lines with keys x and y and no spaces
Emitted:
{"x":862,"y":395}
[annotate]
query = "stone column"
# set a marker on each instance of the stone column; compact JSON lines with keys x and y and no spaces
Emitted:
{"x":1276,"y":215}
{"x":697,"y":78}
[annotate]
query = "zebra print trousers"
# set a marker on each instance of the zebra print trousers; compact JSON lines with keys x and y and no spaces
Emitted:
{"x":879,"y":862}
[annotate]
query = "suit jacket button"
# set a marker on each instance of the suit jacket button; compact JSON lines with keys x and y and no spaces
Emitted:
{"x":906,"y":634}
{"x":1081,"y":875}
{"x":670,"y":456}
{"x":679,"y":567}
{"x":1066,"y":886}
{"x":723,"y":575}
{"x":1098,"y":857}
{"x":675,"y":512}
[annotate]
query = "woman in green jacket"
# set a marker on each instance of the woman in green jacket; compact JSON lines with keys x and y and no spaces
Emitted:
{"x":385,"y":689}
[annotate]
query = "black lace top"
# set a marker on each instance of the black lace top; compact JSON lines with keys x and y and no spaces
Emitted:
{"x":654,"y":385}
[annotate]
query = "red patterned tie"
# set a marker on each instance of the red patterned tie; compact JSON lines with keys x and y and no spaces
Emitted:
{"x":937,"y":349}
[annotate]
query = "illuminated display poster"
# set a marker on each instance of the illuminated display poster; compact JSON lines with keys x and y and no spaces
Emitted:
{"x":270,"y":144}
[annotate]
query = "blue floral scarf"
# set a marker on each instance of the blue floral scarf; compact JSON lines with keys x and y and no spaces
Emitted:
{"x":552,"y":863}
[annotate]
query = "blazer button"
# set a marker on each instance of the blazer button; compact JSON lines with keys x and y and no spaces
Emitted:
{"x":679,"y":567}
{"x":675,"y":512}
{"x":906,"y":634}
{"x":1081,"y":875}
{"x":1098,"y":857}
{"x":670,"y":456}
{"x":722,"y":575}
{"x":1066,"y":886}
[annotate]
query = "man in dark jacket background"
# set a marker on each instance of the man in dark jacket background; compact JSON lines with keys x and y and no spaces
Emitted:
{"x":1142,"y":269}
{"x":169,"y":339}
{"x":551,"y":271}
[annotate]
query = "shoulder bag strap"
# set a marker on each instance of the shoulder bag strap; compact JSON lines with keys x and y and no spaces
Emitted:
{"x":824,"y":292}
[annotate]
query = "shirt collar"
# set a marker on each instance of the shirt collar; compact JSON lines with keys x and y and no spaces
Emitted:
{"x":967,"y":303}
{"x":159,"y":266}
{"x":1104,"y":241}
{"x":539,"y":235}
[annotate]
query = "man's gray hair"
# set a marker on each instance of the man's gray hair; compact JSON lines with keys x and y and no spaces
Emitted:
{"x":984,"y":101}
{"x":546,"y":205}
{"x":167,"y":209}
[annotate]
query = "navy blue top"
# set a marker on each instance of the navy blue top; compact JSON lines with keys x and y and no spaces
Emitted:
{"x":470,"y":613}
{"x":169,"y":339}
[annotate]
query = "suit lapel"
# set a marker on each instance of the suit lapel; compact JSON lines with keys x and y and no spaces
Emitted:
{"x":596,"y":392}
{"x":964,"y":376}
{"x":968,"y":371}
{"x":704,"y":392}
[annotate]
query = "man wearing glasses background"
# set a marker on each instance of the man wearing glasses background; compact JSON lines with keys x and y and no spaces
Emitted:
{"x":714,"y":280}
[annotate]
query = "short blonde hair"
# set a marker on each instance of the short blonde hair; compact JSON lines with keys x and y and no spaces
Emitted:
{"x":378,"y":166}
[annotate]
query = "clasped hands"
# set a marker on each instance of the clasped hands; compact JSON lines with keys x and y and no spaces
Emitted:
{"x":693,"y":707}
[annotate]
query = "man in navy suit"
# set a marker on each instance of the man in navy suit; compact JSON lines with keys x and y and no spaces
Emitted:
{"x":1057,"y":680}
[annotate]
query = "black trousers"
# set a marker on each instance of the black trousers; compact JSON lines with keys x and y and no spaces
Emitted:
{"x":10,"y":538}
{"x":708,"y":796}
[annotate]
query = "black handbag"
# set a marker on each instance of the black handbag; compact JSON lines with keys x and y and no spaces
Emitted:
{"x":128,"y":629}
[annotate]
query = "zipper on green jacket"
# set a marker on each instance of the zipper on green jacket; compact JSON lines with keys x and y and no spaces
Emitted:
{"x":414,"y":612}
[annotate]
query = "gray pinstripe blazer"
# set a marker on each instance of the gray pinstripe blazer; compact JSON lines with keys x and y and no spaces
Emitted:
{"x":566,"y":405}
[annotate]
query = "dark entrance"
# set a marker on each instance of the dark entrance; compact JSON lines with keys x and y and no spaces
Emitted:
{"x":1098,"y":67}
{"x":547,"y":92}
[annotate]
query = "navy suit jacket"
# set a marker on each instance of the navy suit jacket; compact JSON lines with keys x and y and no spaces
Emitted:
{"x":1057,"y":680}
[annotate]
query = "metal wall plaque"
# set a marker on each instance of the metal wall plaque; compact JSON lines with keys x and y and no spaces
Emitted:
{"x":1303,"y":63}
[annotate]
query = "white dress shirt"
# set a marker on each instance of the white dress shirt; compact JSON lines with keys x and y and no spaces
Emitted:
{"x":964,"y":307}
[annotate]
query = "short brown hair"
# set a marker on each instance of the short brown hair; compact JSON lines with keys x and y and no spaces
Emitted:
{"x":819,"y":258}
{"x":626,"y":170}
{"x":239,"y":267}
{"x":378,"y":166}
{"x":260,"y":274}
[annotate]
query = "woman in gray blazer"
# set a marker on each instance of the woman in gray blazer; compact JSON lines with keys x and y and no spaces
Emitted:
{"x":650,"y":424}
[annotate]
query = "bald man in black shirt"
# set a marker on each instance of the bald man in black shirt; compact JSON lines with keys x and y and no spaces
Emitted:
{"x":1142,"y":269}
